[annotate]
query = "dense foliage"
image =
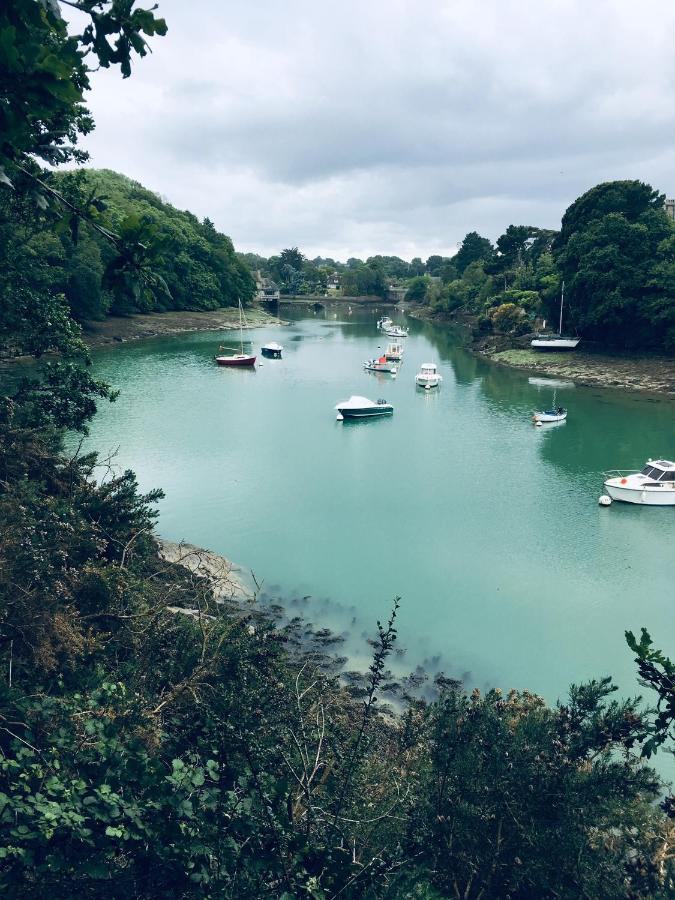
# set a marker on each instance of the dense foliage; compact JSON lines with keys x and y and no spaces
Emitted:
{"x":616,"y":252}
{"x":191,"y":264}
{"x":159,"y":739}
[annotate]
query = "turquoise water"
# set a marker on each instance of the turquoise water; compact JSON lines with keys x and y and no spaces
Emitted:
{"x":488,"y":528}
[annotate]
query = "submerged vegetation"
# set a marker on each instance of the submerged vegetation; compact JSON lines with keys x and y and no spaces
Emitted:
{"x":158,"y":740}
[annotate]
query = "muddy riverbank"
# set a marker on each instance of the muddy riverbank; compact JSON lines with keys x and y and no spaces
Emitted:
{"x":120,"y":329}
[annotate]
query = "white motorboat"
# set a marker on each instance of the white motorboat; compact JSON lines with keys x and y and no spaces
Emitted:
{"x":272,"y":350}
{"x":362,"y":408}
{"x":396,"y":331}
{"x":555,"y":341}
{"x":428,"y":376}
{"x":654,"y":485}
{"x":394,"y":351}
{"x":558,"y":414}
{"x":380,"y":364}
{"x":384,"y":323}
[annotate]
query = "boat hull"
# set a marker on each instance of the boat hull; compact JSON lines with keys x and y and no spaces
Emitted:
{"x":366,"y":412}
{"x":237,"y":361}
{"x":555,"y":344}
{"x":270,"y":353}
{"x":427,"y":382}
{"x":643,"y":496}
{"x":545,"y":418}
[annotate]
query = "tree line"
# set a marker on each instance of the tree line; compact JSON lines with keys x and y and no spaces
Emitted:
{"x":614,"y":254}
{"x":157,"y":741}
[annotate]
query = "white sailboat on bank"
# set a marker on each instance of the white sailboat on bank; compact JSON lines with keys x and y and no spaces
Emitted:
{"x":555,"y":341}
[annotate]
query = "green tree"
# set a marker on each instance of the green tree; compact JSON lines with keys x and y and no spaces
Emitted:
{"x":473,"y":248}
{"x":612,"y":252}
{"x":417,"y":289}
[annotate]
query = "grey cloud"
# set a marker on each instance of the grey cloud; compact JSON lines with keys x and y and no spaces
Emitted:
{"x":390,"y":127}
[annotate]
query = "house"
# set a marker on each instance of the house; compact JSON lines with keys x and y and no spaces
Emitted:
{"x":669,"y":207}
{"x":266,"y":290}
{"x":334,"y":283}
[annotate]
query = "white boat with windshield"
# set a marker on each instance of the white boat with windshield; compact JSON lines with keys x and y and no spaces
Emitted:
{"x":654,"y":485}
{"x":384,"y":323}
{"x":428,"y":376}
{"x":394,"y":351}
{"x":396,"y":331}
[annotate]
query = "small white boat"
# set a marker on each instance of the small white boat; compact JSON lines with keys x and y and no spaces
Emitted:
{"x":380,"y":364}
{"x":396,"y":331}
{"x":654,"y":485}
{"x":394,"y":351}
{"x":272,"y":350}
{"x":384,"y":322}
{"x":362,"y":408}
{"x":428,"y":376}
{"x":558,"y":414}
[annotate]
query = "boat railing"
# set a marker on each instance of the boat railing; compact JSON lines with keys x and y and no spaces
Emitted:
{"x":616,"y":473}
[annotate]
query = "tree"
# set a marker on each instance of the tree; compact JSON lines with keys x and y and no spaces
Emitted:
{"x":292,"y":258}
{"x":434,"y":265}
{"x":473,"y":248}
{"x":612,"y":252}
{"x":44,"y":73}
{"x":417,"y":290}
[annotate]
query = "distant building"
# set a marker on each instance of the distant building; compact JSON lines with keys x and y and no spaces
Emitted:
{"x":670,"y":208}
{"x":334,"y":283}
{"x":266,"y":289}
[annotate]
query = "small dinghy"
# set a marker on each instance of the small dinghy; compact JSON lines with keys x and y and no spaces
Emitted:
{"x":559,"y":414}
{"x":362,"y":408}
{"x":272,"y":350}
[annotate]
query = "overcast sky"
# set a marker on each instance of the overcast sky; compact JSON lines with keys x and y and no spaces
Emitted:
{"x":352,"y":128}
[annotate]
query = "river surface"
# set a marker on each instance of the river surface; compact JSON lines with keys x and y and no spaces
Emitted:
{"x":488,"y":528}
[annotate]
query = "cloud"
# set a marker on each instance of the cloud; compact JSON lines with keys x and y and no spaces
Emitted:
{"x":395,"y":127}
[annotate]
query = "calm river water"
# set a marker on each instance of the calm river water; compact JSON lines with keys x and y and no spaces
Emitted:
{"x":488,"y":528}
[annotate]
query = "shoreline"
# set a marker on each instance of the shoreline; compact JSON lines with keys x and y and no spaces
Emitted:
{"x":144,"y":326}
{"x":653,"y":374}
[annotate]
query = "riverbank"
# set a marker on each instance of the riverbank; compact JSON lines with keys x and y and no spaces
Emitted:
{"x":120,"y":329}
{"x":654,"y":374}
{"x":598,"y":368}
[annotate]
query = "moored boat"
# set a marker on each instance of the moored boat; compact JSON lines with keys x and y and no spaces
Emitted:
{"x":394,"y":351}
{"x":237,"y":359}
{"x":272,"y":350}
{"x":428,"y":376}
{"x":384,"y":323}
{"x":555,"y":341}
{"x":396,"y":331}
{"x":380,"y":364}
{"x":558,"y":414}
{"x":653,"y":485}
{"x":362,"y":408}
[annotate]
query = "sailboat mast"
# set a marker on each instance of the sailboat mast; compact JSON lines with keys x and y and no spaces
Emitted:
{"x":241,"y":330}
{"x":562,"y":300}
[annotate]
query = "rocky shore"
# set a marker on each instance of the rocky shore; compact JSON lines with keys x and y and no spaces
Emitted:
{"x":118,"y":329}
